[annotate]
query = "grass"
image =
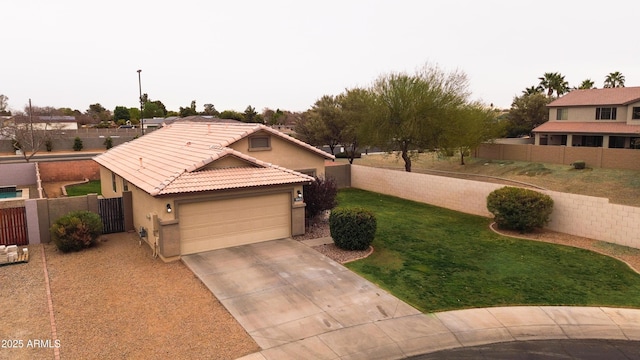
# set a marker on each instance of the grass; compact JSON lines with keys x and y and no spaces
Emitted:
{"x":91,"y":187}
{"x":437,"y":259}
{"x":619,"y":186}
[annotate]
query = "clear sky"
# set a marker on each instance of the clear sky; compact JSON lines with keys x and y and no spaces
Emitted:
{"x":287,"y":54}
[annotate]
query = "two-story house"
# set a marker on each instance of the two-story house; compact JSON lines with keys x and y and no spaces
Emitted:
{"x":199,"y":186}
{"x":608,"y":118}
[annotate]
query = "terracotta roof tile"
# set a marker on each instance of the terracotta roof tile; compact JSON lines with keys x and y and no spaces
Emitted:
{"x":596,"y":97}
{"x":589,"y":127}
{"x":172,"y":154}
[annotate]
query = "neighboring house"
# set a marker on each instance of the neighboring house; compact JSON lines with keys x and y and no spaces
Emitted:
{"x":608,"y":118}
{"x":199,"y":186}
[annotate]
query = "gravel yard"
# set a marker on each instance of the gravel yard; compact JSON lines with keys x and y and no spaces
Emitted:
{"x":114,"y":301}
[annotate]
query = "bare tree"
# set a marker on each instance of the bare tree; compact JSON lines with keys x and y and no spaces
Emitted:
{"x":28,"y":136}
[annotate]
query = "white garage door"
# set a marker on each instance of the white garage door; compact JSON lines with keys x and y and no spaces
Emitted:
{"x":211,"y":225}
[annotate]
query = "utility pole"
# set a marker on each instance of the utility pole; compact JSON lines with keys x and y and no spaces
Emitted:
{"x":141,"y":103}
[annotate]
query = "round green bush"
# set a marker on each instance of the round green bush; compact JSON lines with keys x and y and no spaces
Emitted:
{"x":519,"y":209}
{"x":352,"y":228}
{"x":76,"y":230}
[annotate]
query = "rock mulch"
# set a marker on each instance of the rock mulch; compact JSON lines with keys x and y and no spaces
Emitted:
{"x":115,"y":301}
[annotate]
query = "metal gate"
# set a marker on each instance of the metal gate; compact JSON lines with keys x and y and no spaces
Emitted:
{"x":13,"y":226}
{"x":112,"y":213}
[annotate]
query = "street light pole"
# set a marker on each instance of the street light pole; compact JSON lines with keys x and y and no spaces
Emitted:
{"x":141,"y":103}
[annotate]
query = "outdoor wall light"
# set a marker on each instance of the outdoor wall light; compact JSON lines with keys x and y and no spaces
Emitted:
{"x":168,"y":208}
{"x":298,"y":196}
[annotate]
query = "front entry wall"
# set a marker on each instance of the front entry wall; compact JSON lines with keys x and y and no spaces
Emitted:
{"x":217,"y":224}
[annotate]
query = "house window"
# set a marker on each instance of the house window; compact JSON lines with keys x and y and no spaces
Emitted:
{"x":259,"y":143}
{"x":635,"y":115}
{"x":125,"y":185}
{"x":113,"y":182}
{"x":310,"y":172}
{"x":616,"y":142}
{"x":562,"y":114}
{"x":606,"y":113}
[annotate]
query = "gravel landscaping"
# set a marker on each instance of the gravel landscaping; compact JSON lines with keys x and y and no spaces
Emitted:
{"x":115,"y":301}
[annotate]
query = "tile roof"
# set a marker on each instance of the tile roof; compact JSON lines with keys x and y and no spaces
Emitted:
{"x":167,"y":160}
{"x":589,"y":127}
{"x":595,"y":97}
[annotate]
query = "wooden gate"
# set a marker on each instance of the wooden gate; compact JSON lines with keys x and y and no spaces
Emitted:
{"x":112,"y":213}
{"x":13,"y":226}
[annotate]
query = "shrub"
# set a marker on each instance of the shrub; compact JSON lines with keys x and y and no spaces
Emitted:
{"x":76,"y":230}
{"x":77,"y":144}
{"x":352,"y":228}
{"x":319,"y":196}
{"x":579,"y":165}
{"x":519,"y":209}
{"x":108,"y":143}
{"x":48,"y":145}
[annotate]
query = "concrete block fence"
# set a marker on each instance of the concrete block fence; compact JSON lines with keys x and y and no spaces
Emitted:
{"x":579,"y":215}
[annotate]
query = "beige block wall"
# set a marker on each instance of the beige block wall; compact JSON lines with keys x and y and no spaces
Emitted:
{"x":586,"y":216}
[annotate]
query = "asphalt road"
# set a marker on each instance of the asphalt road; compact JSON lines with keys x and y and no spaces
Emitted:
{"x":543,"y":349}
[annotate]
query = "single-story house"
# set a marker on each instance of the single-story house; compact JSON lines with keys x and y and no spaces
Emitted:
{"x":199,"y":186}
{"x":608,"y":117}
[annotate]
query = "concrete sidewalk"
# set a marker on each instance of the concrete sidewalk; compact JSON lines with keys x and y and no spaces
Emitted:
{"x":299,"y":304}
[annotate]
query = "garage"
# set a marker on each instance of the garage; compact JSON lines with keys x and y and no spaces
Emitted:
{"x":216,"y":224}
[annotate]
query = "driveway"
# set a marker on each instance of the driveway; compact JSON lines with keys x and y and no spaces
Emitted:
{"x":296,"y":303}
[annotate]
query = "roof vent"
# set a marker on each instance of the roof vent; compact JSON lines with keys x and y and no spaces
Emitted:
{"x":141,"y":166}
{"x":188,"y":143}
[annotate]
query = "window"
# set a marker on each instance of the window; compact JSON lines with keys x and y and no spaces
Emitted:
{"x":635,"y":115}
{"x":616,"y":142}
{"x":606,"y":113}
{"x":113,"y":182}
{"x":562,"y":114}
{"x":125,"y":185}
{"x":259,"y":143}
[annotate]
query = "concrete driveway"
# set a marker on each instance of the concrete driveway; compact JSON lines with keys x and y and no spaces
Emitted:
{"x":298,"y":304}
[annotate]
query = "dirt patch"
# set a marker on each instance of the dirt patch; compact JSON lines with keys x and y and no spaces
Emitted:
{"x":115,"y":301}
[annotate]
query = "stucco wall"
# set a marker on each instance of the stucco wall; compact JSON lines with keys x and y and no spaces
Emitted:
{"x":284,"y":153}
{"x":69,"y":170}
{"x":573,"y":214}
{"x":21,"y":174}
{"x":595,"y":157}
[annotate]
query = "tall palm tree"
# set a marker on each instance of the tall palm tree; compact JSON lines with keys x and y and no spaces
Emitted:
{"x":614,"y":79}
{"x":586,"y":84}
{"x":532,"y":90}
{"x":554,"y":82}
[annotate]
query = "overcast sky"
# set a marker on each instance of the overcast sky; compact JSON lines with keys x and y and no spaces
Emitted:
{"x":287,"y":54}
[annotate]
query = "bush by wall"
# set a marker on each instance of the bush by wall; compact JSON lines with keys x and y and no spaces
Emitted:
{"x":77,"y":144}
{"x":319,"y":196}
{"x":352,"y":228}
{"x":76,"y":230}
{"x":519,"y":209}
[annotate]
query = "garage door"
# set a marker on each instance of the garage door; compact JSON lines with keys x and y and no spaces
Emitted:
{"x":211,"y":225}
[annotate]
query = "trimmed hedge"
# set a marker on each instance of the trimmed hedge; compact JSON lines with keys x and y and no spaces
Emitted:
{"x":352,"y":228}
{"x":519,"y":209}
{"x":76,"y":230}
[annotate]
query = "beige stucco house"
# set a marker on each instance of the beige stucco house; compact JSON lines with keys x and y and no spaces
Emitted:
{"x":608,"y":118}
{"x":199,"y":186}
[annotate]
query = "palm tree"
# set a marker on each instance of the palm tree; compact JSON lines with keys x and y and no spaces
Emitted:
{"x":586,"y":84}
{"x":614,"y":79}
{"x":532,"y":90}
{"x":554,"y":82}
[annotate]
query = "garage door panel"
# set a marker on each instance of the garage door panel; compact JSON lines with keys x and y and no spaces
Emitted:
{"x":217,"y":224}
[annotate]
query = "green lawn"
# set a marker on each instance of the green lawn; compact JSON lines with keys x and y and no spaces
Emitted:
{"x":92,"y":187}
{"x":437,"y":259}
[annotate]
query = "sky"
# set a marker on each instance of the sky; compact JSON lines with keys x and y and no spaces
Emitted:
{"x":282,"y":54}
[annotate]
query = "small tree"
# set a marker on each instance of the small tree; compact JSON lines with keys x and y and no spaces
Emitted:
{"x":108,"y":143}
{"x":319,"y":196}
{"x":77,"y":144}
{"x":48,"y":144}
{"x":76,"y":230}
{"x":519,"y":209}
